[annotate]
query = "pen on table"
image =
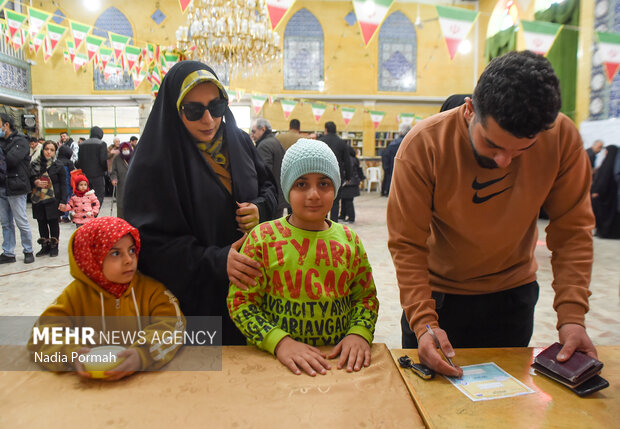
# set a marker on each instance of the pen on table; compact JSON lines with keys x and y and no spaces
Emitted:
{"x":430,"y":331}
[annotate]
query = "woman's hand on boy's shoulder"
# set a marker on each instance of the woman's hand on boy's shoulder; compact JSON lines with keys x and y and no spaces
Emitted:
{"x":295,"y":355}
{"x":241,"y":269}
{"x":354,"y":351}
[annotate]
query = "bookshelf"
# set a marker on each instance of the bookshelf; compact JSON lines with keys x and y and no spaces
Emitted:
{"x":382,"y":139}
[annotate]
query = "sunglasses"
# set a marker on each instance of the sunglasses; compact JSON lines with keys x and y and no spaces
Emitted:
{"x":194,"y":111}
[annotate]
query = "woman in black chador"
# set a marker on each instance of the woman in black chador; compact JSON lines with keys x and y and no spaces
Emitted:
{"x":194,"y":186}
{"x":605,"y":196}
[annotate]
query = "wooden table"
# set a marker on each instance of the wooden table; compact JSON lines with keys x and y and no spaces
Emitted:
{"x":252,"y":390}
{"x":442,"y":405}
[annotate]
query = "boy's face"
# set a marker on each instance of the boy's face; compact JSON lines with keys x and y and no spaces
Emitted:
{"x":121,"y":262}
{"x":311,"y":198}
{"x":82,"y":186}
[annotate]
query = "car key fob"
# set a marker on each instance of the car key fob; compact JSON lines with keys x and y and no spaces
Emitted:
{"x":418,"y":369}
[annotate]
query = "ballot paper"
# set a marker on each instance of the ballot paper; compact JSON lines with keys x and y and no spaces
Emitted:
{"x":488,"y":381}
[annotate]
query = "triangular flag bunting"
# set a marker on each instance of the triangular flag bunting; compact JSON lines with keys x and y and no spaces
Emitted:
{"x":153,"y":52}
{"x":539,"y":35}
{"x":14,"y":20}
{"x":257,"y":102}
{"x":37,"y":19}
{"x":93,"y":44}
{"x":79,"y":32}
{"x":184,"y":4}
{"x":318,"y":110}
{"x":55,"y":33}
{"x":132,"y":54}
{"x":231,"y":94}
{"x":79,"y":61}
{"x":71,"y":49}
{"x":287,"y":107}
{"x":347,"y":114}
{"x":370,"y":14}
{"x":170,"y":60}
{"x":18,"y":39}
{"x":38,"y":42}
{"x":4,"y":30}
{"x":118,"y":42}
{"x":240,"y":93}
{"x":47,"y":49}
{"x":376,"y":117}
{"x":609,"y":49}
{"x":406,"y":118}
{"x":105,"y":54}
{"x":277,"y":9}
{"x":455,"y":25}
{"x":66,"y":55}
{"x":156,"y":76}
{"x":138,"y":77}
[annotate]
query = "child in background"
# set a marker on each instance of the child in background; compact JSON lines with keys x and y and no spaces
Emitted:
{"x":83,"y":205}
{"x":103,"y":256}
{"x":317,"y":286}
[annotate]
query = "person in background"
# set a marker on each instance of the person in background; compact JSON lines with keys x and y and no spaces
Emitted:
{"x":65,"y":140}
{"x":272,"y":152}
{"x":13,"y":191}
{"x":605,"y":192}
{"x":35,"y":148}
{"x":193,"y":190}
{"x":387,"y":158}
{"x":593,"y":151}
{"x":351,"y":188}
{"x":288,"y":138}
{"x":63,"y":159}
{"x":80,"y":141}
{"x":341,"y":150}
{"x":133,"y":141}
{"x":118,"y":173}
{"x":48,"y":198}
{"x":92,"y":160}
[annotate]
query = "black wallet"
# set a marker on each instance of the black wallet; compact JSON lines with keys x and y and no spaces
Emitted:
{"x":579,"y":373}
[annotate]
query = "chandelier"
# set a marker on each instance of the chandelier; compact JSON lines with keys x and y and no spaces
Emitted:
{"x":234,"y":35}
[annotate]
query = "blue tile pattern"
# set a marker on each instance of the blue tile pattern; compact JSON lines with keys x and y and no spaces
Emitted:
{"x":158,"y":16}
{"x":397,"y":54}
{"x":115,"y":21}
{"x":350,"y":18}
{"x":303,"y":52}
{"x":14,"y":78}
{"x":58,"y":17}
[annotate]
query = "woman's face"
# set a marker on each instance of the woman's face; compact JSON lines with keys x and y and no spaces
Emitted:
{"x":49,"y":151}
{"x":205,"y":128}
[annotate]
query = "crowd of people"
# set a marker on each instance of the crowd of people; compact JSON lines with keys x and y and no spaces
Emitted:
{"x":203,"y":206}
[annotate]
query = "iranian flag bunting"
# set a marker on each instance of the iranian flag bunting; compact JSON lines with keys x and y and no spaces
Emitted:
{"x":105,"y":54}
{"x":287,"y":107}
{"x":138,"y":77}
{"x":19,"y":40}
{"x":47,"y":49}
{"x":539,"y":35}
{"x":37,"y":19}
{"x":14,"y":20}
{"x":376,"y":117}
{"x":406,"y":118}
{"x":38,"y":42}
{"x":4,"y":31}
{"x":347,"y":114}
{"x":455,"y":25}
{"x":370,"y":14}
{"x":93,"y":44}
{"x":118,"y":42}
{"x":55,"y":33}
{"x":184,"y":4}
{"x":240,"y":93}
{"x":609,"y":49}
{"x":70,"y":49}
{"x":318,"y":110}
{"x":277,"y":9}
{"x":132,"y":53}
{"x":79,"y":61}
{"x":156,"y":76}
{"x":170,"y":60}
{"x":66,"y":55}
{"x":257,"y":102}
{"x":79,"y":32}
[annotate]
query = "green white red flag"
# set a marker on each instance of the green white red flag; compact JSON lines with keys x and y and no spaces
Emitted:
{"x":79,"y":61}
{"x":79,"y":32}
{"x":105,"y":54}
{"x":347,"y":114}
{"x":370,"y":15}
{"x":93,"y":44}
{"x":14,"y":20}
{"x":37,"y":42}
{"x":37,"y":19}
{"x":376,"y":117}
{"x":455,"y":25}
{"x":257,"y":102}
{"x":138,"y":77}
{"x":19,"y":40}
{"x":55,"y":33}
{"x":47,"y":48}
{"x":406,"y":118}
{"x":318,"y":110}
{"x":609,"y":49}
{"x":184,"y":4}
{"x":539,"y":35}
{"x":287,"y":107}
{"x":132,"y":53}
{"x":118,"y":42}
{"x":277,"y":9}
{"x":70,"y":49}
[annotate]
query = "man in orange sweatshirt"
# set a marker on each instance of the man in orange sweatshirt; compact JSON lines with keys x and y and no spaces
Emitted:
{"x":467,"y":188}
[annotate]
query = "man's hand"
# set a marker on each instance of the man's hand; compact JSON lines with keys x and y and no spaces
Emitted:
{"x":354,"y":351}
{"x":241,"y":269}
{"x":247,"y":216}
{"x":127,"y":367}
{"x":429,"y":356}
{"x":575,"y":338}
{"x":295,"y":355}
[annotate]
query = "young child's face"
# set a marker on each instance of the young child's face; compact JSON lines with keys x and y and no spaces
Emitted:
{"x":82,"y":186}
{"x":311,"y":198}
{"x":121,"y":262}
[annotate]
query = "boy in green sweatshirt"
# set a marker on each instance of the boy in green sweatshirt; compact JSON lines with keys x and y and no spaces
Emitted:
{"x":317,"y":286}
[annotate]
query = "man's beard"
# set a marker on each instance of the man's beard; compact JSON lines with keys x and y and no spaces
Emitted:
{"x":483,"y":161}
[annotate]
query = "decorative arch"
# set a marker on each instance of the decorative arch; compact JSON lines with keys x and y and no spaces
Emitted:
{"x":398,"y":54}
{"x":303,"y":52}
{"x":115,"y":21}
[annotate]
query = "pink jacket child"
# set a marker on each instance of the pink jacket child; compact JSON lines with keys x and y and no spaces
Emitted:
{"x":83,"y":205}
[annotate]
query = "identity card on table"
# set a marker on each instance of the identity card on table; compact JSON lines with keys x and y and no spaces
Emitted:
{"x":486,"y":381}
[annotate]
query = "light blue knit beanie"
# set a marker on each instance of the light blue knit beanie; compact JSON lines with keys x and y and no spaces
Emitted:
{"x":308,"y":156}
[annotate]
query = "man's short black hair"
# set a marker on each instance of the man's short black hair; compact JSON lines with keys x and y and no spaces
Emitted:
{"x":294,"y":124}
{"x":132,"y":138}
{"x":330,"y":127}
{"x":5,"y":117}
{"x":33,"y":139}
{"x":520,"y":91}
